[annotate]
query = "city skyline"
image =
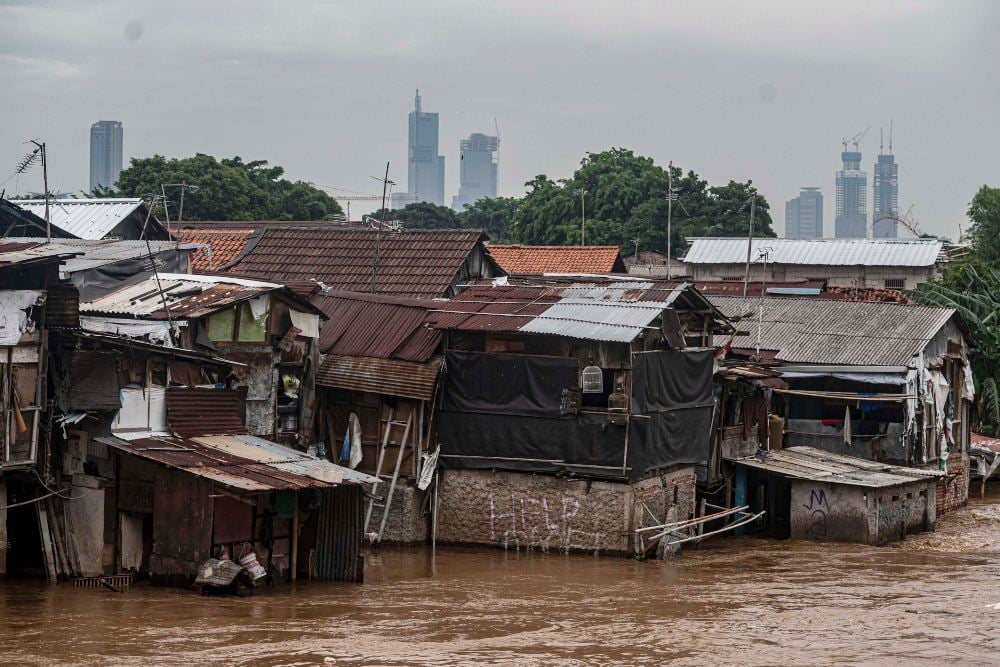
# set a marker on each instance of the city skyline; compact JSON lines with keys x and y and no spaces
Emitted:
{"x":851,"y":192}
{"x":885,"y":193}
{"x":804,"y":215}
{"x":479,"y":163}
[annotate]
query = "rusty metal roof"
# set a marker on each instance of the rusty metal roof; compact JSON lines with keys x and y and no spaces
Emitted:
{"x":421,"y":263}
{"x":194,"y":412}
{"x":820,"y":331}
{"x":186,"y":296}
{"x":810,"y":463}
{"x":392,"y":377}
{"x":370,"y":325}
{"x":241,"y":462}
{"x":85,"y":254}
{"x":557,"y":259}
{"x":614,"y":311}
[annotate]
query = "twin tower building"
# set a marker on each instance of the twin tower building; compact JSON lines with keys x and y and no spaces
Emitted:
{"x":479,"y":161}
{"x":804,"y":214}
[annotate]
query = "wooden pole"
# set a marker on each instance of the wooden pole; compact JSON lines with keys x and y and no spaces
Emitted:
{"x":295,"y":539}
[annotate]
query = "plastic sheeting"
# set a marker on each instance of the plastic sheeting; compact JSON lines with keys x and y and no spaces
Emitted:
{"x":306,"y":323}
{"x":509,"y":411}
{"x":14,"y":321}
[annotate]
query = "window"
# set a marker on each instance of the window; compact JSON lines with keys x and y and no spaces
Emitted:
{"x":895,"y":283}
{"x":251,"y":330}
{"x":220,"y":325}
{"x":237,"y":324}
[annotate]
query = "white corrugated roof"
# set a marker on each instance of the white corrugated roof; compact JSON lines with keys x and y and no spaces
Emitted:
{"x":601,"y":320}
{"x":84,"y":218}
{"x":838,"y":252}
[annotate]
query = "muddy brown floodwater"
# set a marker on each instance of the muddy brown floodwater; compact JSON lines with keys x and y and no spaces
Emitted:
{"x":739,"y":601}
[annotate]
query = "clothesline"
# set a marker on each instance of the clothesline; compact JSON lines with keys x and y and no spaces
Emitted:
{"x":848,"y":395}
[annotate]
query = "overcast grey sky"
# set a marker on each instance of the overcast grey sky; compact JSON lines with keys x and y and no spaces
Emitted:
{"x":733,"y":90}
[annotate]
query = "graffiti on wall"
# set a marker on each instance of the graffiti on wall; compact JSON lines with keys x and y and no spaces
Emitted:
{"x":818,"y":508}
{"x":528,"y":522}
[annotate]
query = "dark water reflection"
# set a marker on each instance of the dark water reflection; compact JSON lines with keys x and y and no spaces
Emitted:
{"x":740,"y":601}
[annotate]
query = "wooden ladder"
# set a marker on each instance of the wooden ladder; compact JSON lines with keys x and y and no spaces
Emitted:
{"x":390,"y":424}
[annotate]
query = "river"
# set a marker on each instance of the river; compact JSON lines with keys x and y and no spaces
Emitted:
{"x":934,"y":598}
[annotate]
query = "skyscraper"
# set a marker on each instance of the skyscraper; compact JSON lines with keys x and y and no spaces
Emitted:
{"x":479,"y":155}
{"x":852,"y":197}
{"x":425,"y":168}
{"x":804,"y":215}
{"x":885,"y":186}
{"x":105,"y":153}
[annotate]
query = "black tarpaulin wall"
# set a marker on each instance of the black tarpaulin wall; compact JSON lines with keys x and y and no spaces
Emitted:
{"x":509,"y":406}
{"x":671,"y":409}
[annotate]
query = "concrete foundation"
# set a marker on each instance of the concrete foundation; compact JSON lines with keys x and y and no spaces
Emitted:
{"x":514,"y":510}
{"x":407,"y":523}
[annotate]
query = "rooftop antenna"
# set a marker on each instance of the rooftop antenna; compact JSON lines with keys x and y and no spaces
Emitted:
{"x":753,"y":208}
{"x":416,"y":101}
{"x":40,"y":147}
{"x":881,"y":142}
{"x":381,"y":223}
{"x":671,"y":196}
{"x":890,"y":136}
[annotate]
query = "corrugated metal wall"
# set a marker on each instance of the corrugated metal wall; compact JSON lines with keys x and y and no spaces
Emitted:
{"x":339,"y":534}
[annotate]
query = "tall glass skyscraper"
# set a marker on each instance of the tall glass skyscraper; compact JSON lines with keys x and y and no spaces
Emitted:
{"x":885,"y":185}
{"x":477,"y":169}
{"x":105,"y":153}
{"x":804,"y":215}
{"x":425,"y":168}
{"x":852,"y":198}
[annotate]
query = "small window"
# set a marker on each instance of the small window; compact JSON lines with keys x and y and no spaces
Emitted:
{"x":251,"y":330}
{"x":895,"y":283}
{"x":220,"y":325}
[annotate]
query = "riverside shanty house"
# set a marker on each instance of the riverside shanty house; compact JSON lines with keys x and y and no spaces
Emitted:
{"x":884,"y":382}
{"x":32,"y":301}
{"x":572,"y":413}
{"x":422,"y":264}
{"x":269,"y":330}
{"x":200,"y":486}
{"x":377,"y":385}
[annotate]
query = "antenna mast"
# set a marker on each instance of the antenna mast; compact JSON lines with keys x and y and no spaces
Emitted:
{"x":45,"y":181}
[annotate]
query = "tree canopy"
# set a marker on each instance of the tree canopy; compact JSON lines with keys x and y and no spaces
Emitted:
{"x":624,"y":198}
{"x":971,"y":285}
{"x":230,"y":189}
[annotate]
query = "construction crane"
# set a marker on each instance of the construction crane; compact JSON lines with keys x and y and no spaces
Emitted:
{"x":856,"y":139}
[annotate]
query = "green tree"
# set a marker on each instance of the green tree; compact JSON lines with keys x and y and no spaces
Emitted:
{"x":494,"y":215}
{"x":230,"y":189}
{"x":422,"y":215}
{"x":971,"y":285}
{"x":625,"y":199}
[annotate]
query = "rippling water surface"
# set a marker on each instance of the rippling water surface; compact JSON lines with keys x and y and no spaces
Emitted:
{"x":745,"y":601}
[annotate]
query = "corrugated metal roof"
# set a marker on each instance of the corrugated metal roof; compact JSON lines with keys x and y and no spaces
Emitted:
{"x":90,"y":254}
{"x":186,"y":296}
{"x":421,"y":264}
{"x":617,"y":311}
{"x":369,"y":325}
{"x":199,"y":412}
{"x":22,"y":252}
{"x":557,"y":259}
{"x":816,"y":465}
{"x":241,"y":462}
{"x":819,"y":331}
{"x":839,"y":252}
{"x":15,"y":221}
{"x":84,"y":218}
{"x":391,"y":377}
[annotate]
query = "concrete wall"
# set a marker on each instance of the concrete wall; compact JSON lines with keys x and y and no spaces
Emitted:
{"x":836,"y":276}
{"x":515,"y":510}
{"x":843,"y":513}
{"x":407,"y":523}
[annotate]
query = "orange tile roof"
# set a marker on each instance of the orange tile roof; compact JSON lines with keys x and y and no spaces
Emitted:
{"x":225,"y":246}
{"x":557,"y":258}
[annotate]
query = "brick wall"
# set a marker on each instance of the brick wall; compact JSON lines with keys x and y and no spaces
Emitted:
{"x":953,"y":490}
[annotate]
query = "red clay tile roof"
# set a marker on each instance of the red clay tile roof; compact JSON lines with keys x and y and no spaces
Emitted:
{"x":224,"y":246}
{"x":413,"y":263}
{"x":557,"y":258}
